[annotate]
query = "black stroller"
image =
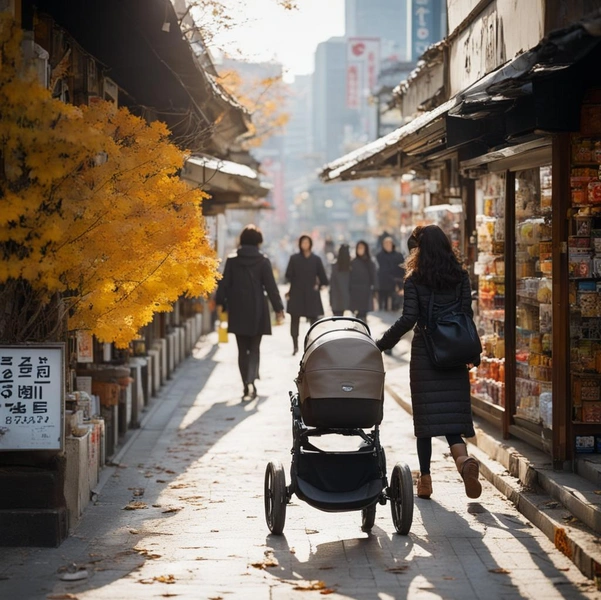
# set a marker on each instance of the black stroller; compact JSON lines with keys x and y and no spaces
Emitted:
{"x":340,"y":392}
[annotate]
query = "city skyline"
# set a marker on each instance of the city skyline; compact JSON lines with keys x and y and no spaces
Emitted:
{"x":264,"y":32}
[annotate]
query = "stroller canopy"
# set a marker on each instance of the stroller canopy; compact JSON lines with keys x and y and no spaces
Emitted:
{"x":341,"y":379}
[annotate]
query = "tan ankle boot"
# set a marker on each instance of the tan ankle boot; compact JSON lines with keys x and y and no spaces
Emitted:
{"x":424,"y":486}
{"x":468,"y":468}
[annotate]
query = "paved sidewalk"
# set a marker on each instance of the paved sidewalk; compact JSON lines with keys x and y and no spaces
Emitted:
{"x":198,"y":466}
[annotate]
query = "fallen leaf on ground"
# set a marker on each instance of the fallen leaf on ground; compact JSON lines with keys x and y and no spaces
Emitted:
{"x":570,"y":519}
{"x":397,"y":569}
{"x":161,"y":481}
{"x":310,"y":586}
{"x":137,"y":505}
{"x":171,"y":509}
{"x":311,"y":531}
{"x":170,"y":471}
{"x":179,"y":486}
{"x":598,"y":492}
{"x":325,"y":568}
{"x":165,"y":578}
{"x":134,"y":531}
{"x":136,"y":492}
{"x":268,"y":563}
{"x":147,"y":553}
{"x":64,"y":596}
{"x":500,"y":571}
{"x":327,"y":591}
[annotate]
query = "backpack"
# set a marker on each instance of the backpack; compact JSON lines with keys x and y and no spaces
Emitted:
{"x":451,"y":337}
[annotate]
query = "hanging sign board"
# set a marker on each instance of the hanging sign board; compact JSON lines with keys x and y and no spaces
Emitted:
{"x":32,"y":391}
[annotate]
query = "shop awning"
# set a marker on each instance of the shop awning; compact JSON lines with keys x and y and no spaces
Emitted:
{"x":559,"y":51}
{"x":216,"y":175}
{"x":367,"y":160}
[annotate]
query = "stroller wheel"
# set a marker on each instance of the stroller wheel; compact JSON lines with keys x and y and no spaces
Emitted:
{"x":368,"y":518}
{"x":275,"y":497}
{"x":401,"y":498}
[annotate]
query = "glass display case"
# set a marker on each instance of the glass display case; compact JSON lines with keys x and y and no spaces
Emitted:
{"x":534,"y":310}
{"x":584,"y":267}
{"x":488,"y":380}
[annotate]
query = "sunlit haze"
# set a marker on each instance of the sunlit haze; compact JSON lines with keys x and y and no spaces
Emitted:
{"x":267,"y":32}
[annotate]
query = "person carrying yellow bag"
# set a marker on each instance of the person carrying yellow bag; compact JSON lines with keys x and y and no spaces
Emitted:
{"x":243,"y":291}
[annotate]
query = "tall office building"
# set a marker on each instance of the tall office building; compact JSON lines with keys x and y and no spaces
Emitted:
{"x":388,"y":20}
{"x":331,"y":118}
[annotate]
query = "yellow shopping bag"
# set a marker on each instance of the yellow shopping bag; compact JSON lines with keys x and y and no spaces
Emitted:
{"x":222,"y":336}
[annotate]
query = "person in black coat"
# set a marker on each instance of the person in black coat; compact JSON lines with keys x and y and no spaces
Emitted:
{"x":390,"y":275}
{"x":440,"y":398}
{"x":362,"y":281}
{"x":306,"y":275}
{"x":247,"y":278}
{"x":340,"y":297}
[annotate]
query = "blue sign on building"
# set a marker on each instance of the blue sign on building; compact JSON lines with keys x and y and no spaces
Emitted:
{"x":426,"y":25}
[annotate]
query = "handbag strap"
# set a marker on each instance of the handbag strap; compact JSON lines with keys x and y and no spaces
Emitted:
{"x":431,"y":302}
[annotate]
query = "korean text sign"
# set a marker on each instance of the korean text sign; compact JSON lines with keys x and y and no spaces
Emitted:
{"x":31,"y":397}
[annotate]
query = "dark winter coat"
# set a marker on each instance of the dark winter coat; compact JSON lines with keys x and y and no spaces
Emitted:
{"x":440,"y":398}
{"x":340,"y":296}
{"x":390,"y":273}
{"x":306,"y":275}
{"x":247,"y":278}
{"x":362,"y":283}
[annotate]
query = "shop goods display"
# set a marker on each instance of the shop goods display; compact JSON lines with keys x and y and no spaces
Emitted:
{"x":584,"y":266}
{"x":488,"y":380}
{"x":534,"y":314}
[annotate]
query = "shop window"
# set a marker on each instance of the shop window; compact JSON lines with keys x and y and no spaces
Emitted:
{"x":488,"y":380}
{"x":534,"y":322}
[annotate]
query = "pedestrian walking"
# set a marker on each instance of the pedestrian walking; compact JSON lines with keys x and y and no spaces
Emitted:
{"x":306,"y":275}
{"x":340,"y":298}
{"x":243,"y":291}
{"x":362,"y":281}
{"x":390,"y":275}
{"x":440,"y":398}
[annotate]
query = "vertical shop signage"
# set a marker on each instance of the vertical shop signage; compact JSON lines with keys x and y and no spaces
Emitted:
{"x":31,"y":397}
{"x":423,"y":26}
{"x":363,"y":66}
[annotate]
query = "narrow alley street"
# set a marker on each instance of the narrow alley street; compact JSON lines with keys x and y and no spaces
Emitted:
{"x":181,"y":514}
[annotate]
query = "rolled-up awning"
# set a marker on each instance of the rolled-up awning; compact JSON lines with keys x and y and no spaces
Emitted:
{"x":364,"y":161}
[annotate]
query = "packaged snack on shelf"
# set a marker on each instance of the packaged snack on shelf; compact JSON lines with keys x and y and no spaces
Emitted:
{"x":580,"y":264}
{"x":585,"y":443}
{"x":583,"y":226}
{"x":576,"y":242}
{"x":591,"y":412}
{"x":585,"y":389}
{"x":594,"y":192}
{"x":589,"y":303}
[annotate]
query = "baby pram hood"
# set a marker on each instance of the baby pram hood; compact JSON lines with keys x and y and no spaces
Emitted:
{"x":341,"y":378}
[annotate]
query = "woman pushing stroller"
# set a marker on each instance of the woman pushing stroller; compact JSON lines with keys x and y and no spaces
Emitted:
{"x":440,"y":397}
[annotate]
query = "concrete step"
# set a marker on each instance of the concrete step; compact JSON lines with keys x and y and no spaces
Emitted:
{"x":38,"y":527}
{"x":534,"y":470}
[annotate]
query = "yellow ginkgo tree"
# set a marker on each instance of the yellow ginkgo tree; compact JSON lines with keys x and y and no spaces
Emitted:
{"x":95,"y":225}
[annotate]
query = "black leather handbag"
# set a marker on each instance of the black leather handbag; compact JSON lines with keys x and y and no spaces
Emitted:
{"x":451,"y":337}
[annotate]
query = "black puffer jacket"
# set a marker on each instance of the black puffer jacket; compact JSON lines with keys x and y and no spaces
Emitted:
{"x":440,"y":398}
{"x":306,"y":275}
{"x":247,"y":277}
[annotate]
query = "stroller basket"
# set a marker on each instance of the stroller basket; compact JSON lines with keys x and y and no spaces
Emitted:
{"x":339,"y":481}
{"x":341,"y":379}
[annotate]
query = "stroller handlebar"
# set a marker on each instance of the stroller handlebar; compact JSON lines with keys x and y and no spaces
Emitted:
{"x":324,"y":319}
